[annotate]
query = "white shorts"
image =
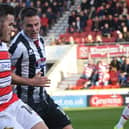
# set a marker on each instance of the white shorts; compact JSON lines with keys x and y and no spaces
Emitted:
{"x":8,"y":122}
{"x":19,"y":116}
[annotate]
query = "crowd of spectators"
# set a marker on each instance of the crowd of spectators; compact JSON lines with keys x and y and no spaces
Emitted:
{"x":103,"y":75}
{"x":49,"y":10}
{"x":93,"y":21}
{"x":106,"y":19}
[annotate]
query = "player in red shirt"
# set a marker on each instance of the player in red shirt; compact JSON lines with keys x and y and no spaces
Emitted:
{"x":13,"y":112}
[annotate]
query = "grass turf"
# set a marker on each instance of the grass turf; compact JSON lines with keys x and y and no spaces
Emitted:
{"x":95,"y":118}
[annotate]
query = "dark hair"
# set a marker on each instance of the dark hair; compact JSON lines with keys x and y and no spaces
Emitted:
{"x":28,"y":12}
{"x":6,"y":9}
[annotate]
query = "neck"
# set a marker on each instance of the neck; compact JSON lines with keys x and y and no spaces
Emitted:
{"x":5,"y":41}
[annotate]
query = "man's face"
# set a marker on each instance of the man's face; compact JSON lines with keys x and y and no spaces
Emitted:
{"x":6,"y":28}
{"x":31,"y":26}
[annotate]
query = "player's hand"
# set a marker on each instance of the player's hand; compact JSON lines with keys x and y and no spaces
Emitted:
{"x":41,"y":81}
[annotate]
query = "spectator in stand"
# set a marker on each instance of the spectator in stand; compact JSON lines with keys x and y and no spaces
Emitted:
{"x":122,"y":76}
{"x":83,"y":19}
{"x":121,"y":22}
{"x":103,"y":21}
{"x":72,"y":17}
{"x":73,"y":28}
{"x":125,"y":10}
{"x":45,"y":6}
{"x":107,"y":10}
{"x":98,"y":39}
{"x":122,"y":60}
{"x":103,"y":75}
{"x":32,"y":4}
{"x":18,"y":8}
{"x":114,"y":76}
{"x":71,"y":40}
{"x":87,"y":74}
{"x":113,"y":6}
{"x":117,"y":9}
{"x":96,"y":24}
{"x":111,"y":22}
{"x":62,"y":6}
{"x":116,"y":20}
{"x":86,"y":13}
{"x":115,"y":63}
{"x":125,"y":67}
{"x":100,"y":11}
{"x":51,"y":16}
{"x":38,"y":4}
{"x":127,"y":21}
{"x":120,"y":37}
{"x":106,"y":76}
{"x":28,"y":3}
{"x":95,"y":74}
{"x":80,"y":24}
{"x":89,"y":39}
{"x":122,"y":79}
{"x":39,"y":11}
{"x":125,"y":33}
{"x":56,"y":9}
{"x":85,"y":4}
{"x":106,"y":31}
{"x":44,"y":24}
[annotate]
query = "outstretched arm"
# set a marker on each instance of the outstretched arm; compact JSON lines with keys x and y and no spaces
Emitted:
{"x":37,"y":80}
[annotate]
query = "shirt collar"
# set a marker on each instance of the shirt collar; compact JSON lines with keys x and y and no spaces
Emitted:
{"x":28,"y":38}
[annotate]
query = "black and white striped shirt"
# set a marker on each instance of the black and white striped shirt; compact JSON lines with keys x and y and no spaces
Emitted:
{"x":27,"y":60}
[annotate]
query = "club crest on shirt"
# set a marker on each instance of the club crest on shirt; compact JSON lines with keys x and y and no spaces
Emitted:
{"x":31,"y":52}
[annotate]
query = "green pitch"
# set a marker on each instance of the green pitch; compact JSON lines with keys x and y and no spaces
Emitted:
{"x":95,"y":118}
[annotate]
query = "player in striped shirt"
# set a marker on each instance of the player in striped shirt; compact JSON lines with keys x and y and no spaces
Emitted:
{"x":28,"y":58}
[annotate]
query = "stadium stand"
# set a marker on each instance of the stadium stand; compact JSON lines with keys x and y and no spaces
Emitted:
{"x":95,"y":22}
{"x":110,"y":17}
{"x":88,"y":16}
{"x":50,"y":11}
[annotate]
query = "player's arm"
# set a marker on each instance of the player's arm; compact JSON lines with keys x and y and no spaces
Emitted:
{"x":37,"y":80}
